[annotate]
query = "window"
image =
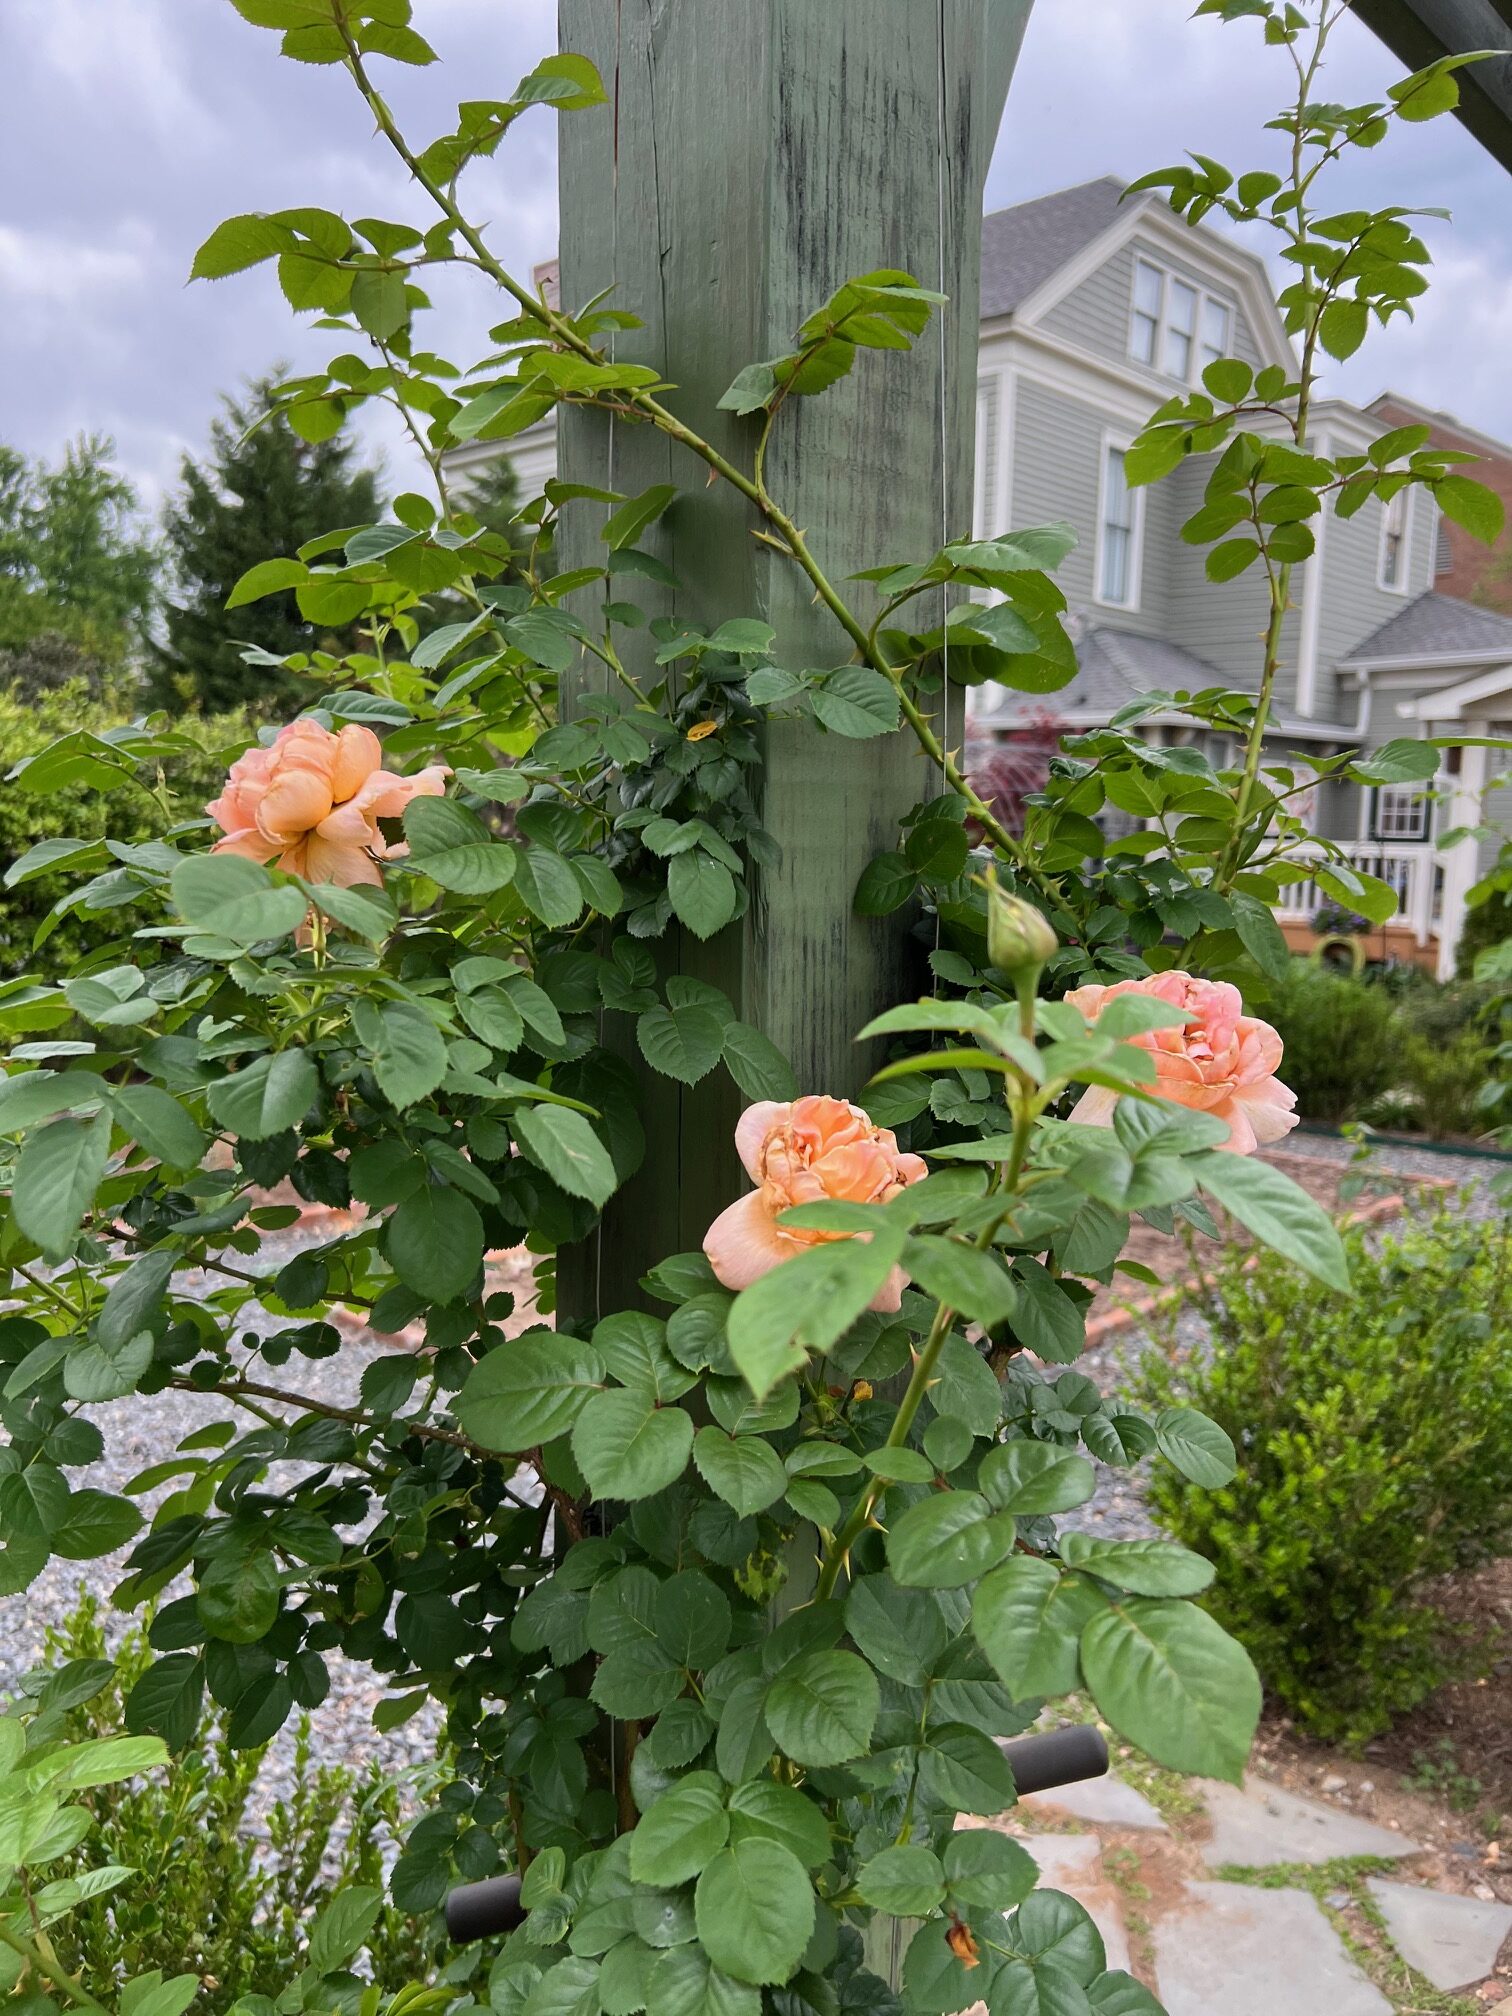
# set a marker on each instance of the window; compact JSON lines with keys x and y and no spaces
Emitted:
{"x":1149,"y":301}
{"x":1215,"y":333}
{"x":1181,"y":329}
{"x":1175,"y":327}
{"x":1118,"y":540}
{"x":1401,"y":813}
{"x":1394,"y":534}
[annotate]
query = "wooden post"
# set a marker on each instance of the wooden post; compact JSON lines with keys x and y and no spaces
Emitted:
{"x":765,"y":154}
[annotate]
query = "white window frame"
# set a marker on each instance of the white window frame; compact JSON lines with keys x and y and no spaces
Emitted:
{"x":1401,"y":812}
{"x":1205,"y":298}
{"x":1118,"y":444}
{"x":1403,"y":583}
{"x":1205,"y":352}
{"x":1137,"y":314}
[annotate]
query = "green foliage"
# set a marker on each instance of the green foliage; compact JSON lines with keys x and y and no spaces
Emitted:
{"x":258,"y":493}
{"x":725,"y":1604}
{"x":1342,"y":1036}
{"x":77,"y":571}
{"x":1325,"y":1562}
{"x":73,"y":808}
{"x":205,"y":1891}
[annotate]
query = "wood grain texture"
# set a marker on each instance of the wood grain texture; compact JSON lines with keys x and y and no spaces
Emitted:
{"x":766,"y":153}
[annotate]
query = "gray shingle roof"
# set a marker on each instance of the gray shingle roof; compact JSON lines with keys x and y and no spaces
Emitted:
{"x":1117,"y":666}
{"x":1023,"y":246}
{"x":1438,"y":626}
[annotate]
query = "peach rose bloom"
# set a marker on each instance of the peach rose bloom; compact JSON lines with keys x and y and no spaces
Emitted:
{"x":1223,"y":1062}
{"x":805,"y":1152}
{"x":310,"y":803}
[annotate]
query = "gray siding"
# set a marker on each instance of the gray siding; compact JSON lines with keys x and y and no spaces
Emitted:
{"x":1223,"y":622}
{"x":1095,"y":315}
{"x":1353,"y":604}
{"x":1057,"y":447}
{"x":1496,"y":805}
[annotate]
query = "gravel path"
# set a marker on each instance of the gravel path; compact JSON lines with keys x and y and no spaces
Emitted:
{"x":140,"y":1432}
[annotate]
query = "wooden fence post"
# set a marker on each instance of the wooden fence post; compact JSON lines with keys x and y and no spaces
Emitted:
{"x":756,"y":156}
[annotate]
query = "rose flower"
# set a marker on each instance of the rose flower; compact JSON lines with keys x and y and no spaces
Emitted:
{"x":310,"y":803}
{"x":805,"y":1152}
{"x":1222,"y":1062}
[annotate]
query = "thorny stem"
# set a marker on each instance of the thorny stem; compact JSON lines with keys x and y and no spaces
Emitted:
{"x":753,"y":488}
{"x":837,"y":1553}
{"x":1280,"y":577}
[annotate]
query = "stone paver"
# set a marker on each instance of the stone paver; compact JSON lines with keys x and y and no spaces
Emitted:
{"x":1073,"y":1863}
{"x":1105,"y":1802}
{"x":1454,"y":1941}
{"x":1246,"y":1952}
{"x":1263,"y":1826}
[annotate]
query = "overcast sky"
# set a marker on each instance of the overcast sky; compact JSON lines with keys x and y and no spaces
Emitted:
{"x":133,"y":126}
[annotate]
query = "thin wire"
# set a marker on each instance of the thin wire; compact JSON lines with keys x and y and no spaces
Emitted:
{"x":598,"y":1237}
{"x":941,"y":159}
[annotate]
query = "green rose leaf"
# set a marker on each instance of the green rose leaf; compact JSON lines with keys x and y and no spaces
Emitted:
{"x":57,"y":1173}
{"x":628,"y":1447}
{"x":1146,"y":1567}
{"x":563,"y":1144}
{"x":1198,"y":1447}
{"x":1278,"y":1211}
{"x":529,"y":1390}
{"x":453,"y":847}
{"x":1036,"y":1477}
{"x":907,"y":1882}
{"x":744,"y":1470}
{"x":823,"y":1707}
{"x":681,"y":1832}
{"x":754,"y":1908}
{"x":268,"y":1096}
{"x":434,"y":1242}
{"x":1172,"y":1681}
{"x":1028,"y":1618}
{"x":948,"y":1540}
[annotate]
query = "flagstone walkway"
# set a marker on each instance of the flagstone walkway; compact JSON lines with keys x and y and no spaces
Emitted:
{"x":1258,"y":1902}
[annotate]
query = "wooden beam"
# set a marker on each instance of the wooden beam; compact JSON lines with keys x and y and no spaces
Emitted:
{"x":766,"y":153}
{"x":1419,"y":32}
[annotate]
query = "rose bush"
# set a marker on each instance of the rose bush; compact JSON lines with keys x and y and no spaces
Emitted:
{"x":728,"y":1595}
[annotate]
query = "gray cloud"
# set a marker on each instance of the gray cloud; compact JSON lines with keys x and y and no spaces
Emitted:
{"x":134,"y":126}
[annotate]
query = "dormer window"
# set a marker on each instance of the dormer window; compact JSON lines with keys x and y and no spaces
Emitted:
{"x":1174,"y":326}
{"x":1149,"y":298}
{"x":1181,"y":329}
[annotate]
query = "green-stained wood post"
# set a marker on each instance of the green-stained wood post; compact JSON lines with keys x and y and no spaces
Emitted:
{"x":767,"y":152}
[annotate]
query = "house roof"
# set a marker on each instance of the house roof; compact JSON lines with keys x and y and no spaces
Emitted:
{"x":1435,"y":627}
{"x":1022,"y":247}
{"x":1117,"y":666}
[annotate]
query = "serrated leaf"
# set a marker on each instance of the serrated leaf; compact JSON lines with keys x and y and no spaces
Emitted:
{"x":455,"y":849}
{"x":1277,"y":1211}
{"x":1172,"y":1681}
{"x":628,"y":1447}
{"x":59,"y":1169}
{"x":755,"y":1911}
{"x":823,"y":1707}
{"x":529,"y":1390}
{"x":563,"y":1144}
{"x":434,"y":1242}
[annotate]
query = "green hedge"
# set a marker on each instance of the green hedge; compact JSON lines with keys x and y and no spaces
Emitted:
{"x":1375,"y":1440}
{"x":1393,"y":1049}
{"x":130,"y":815}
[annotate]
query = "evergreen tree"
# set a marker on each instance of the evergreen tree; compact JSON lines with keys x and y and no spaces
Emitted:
{"x":258,"y":495}
{"x":77,"y":571}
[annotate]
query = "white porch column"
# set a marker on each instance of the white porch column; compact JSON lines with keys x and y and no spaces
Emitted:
{"x":1460,"y":861}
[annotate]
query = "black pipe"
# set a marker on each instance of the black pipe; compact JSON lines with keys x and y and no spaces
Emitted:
{"x":1059,"y":1757}
{"x":1039,"y":1763}
{"x":480,"y":1910}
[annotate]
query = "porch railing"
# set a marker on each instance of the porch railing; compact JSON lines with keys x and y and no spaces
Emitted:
{"x":1413,"y":871}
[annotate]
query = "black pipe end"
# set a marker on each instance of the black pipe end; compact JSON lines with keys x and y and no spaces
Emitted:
{"x":483,"y":1910}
